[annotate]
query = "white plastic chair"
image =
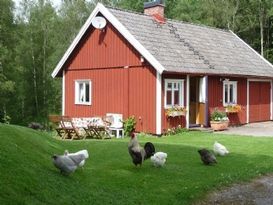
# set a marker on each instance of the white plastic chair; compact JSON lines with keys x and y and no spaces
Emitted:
{"x":116,"y":124}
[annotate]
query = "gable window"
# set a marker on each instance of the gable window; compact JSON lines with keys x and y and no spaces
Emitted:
{"x":83,"y":92}
{"x":229,"y":92}
{"x":174,"y":93}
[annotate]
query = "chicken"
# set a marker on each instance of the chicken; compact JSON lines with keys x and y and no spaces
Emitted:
{"x":220,"y":149}
{"x":207,"y":157}
{"x":84,"y":152}
{"x":67,"y":164}
{"x":159,"y":159}
{"x":138,"y":153}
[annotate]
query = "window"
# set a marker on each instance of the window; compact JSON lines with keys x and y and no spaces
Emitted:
{"x":229,"y":93}
{"x":83,"y":92}
{"x":174,"y":92}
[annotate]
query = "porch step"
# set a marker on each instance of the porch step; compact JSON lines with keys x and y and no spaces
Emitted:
{"x":201,"y":129}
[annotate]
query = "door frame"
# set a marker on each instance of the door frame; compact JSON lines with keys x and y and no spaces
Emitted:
{"x":201,"y":88}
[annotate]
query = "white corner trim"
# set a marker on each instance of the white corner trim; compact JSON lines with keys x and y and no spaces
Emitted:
{"x":271,"y":100}
{"x":252,"y":49}
{"x":63,"y":93}
{"x":247,"y":101}
{"x":188,"y":103}
{"x":158,"y":103}
{"x":119,"y":26}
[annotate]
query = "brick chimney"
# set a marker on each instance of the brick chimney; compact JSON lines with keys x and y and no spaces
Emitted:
{"x":155,"y":8}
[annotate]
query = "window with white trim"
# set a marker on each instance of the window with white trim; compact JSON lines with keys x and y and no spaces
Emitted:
{"x":83,"y":92}
{"x":174,"y":93}
{"x":229,"y":93}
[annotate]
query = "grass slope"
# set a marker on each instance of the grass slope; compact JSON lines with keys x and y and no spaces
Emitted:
{"x":28,"y":177}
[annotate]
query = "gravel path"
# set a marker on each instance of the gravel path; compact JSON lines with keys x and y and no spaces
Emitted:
{"x":257,"y":192}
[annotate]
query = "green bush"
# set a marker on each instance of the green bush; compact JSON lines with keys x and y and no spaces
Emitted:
{"x":175,"y":130}
{"x":129,"y":125}
{"x":218,"y":115}
{"x":4,"y":118}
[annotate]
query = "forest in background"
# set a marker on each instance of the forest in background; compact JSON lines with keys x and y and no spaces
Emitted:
{"x":34,"y":37}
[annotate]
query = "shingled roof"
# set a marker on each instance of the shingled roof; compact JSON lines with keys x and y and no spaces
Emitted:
{"x":177,"y":46}
{"x":188,"y":48}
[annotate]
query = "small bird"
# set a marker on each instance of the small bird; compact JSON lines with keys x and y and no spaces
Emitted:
{"x":220,"y":149}
{"x":83,"y":152}
{"x":207,"y":157}
{"x":67,"y":164}
{"x":138,"y":153}
{"x":159,"y":159}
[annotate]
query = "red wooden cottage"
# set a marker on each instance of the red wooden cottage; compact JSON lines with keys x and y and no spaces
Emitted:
{"x":140,"y":64}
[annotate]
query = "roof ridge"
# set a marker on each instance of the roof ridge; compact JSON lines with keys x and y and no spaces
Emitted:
{"x":200,"y":25}
{"x":126,"y":10}
{"x":168,"y":19}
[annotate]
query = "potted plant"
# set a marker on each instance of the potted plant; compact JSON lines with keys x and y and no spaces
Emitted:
{"x":233,"y":108}
{"x":175,"y":111}
{"x":219,"y":120}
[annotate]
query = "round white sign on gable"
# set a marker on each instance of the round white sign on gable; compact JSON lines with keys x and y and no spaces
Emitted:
{"x":99,"y":22}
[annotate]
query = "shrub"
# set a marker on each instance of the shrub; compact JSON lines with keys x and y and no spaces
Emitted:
{"x":175,"y":130}
{"x":129,"y":125}
{"x":4,"y":118}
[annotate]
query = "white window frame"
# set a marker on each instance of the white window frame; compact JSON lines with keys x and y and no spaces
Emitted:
{"x":181,"y":97}
{"x":228,"y":83}
{"x":77,"y":83}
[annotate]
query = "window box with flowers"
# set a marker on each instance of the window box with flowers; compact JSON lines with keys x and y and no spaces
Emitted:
{"x":219,"y":120}
{"x":233,"y":108}
{"x":175,"y":111}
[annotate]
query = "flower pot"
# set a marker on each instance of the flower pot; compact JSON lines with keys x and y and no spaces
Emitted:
{"x":176,"y":113}
{"x":233,"y":108}
{"x":219,"y":125}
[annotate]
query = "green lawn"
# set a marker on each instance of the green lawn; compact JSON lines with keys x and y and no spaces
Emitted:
{"x":28,"y":176}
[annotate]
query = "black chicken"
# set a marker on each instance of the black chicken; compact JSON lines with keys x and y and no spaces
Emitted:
{"x":138,"y":153}
{"x":207,"y":157}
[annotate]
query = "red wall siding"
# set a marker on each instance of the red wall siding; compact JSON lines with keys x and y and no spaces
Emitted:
{"x":215,"y":94}
{"x":103,"y":49}
{"x":170,"y":122}
{"x":101,"y":57}
{"x":108,"y":92}
{"x":142,"y":98}
{"x":259,"y":101}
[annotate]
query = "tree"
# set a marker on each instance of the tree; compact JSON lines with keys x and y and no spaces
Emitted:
{"x":6,"y":55}
{"x":37,"y":23}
